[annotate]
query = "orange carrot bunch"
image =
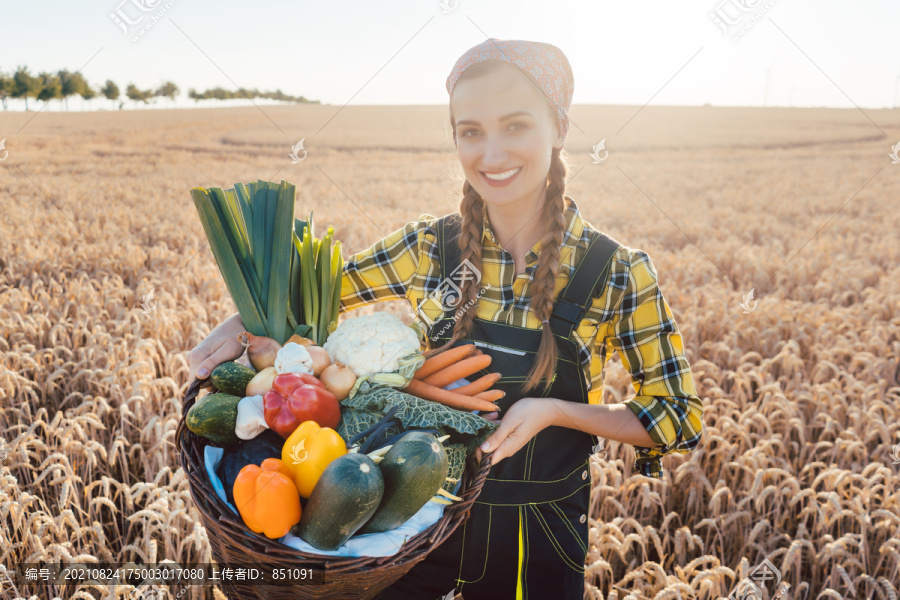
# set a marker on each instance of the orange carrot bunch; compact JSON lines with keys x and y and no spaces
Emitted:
{"x":451,"y":365}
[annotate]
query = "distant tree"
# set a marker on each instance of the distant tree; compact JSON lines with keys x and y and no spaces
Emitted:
{"x":88,"y":93}
{"x":50,"y":87}
{"x":167,"y":90}
{"x":72,"y":84}
{"x":25,"y":85}
{"x":193,"y":95}
{"x":6,"y":88}
{"x":111,"y":91}
{"x":135,"y":94}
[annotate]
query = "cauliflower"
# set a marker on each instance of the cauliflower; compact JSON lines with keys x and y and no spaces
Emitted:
{"x":372,"y":343}
{"x":293,"y":358}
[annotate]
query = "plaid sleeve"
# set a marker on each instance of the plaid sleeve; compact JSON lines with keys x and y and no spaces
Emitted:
{"x":385,"y":271}
{"x":645,"y":335}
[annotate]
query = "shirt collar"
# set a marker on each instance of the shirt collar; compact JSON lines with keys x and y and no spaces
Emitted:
{"x":574,"y":231}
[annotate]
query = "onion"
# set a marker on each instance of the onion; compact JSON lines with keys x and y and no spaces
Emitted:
{"x":320,"y":359}
{"x":338,"y":380}
{"x":262,"y":382}
{"x":260,"y":349}
{"x":297,"y":339}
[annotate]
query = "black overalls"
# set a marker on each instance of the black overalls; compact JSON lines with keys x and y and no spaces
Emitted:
{"x":527,"y":534}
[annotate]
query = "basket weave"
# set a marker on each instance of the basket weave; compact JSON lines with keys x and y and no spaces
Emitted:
{"x":356,"y":578}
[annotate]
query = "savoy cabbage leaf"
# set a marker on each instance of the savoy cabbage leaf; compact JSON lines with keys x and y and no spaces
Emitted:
{"x":465,"y":428}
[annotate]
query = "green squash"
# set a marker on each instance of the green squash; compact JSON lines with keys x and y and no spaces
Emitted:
{"x":414,"y":469}
{"x":232,"y":378}
{"x":345,"y":497}
{"x":213,"y":417}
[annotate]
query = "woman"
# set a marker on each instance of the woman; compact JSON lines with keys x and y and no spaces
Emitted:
{"x":519,"y":273}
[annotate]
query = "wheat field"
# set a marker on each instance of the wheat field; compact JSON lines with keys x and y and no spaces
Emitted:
{"x":801,"y":393}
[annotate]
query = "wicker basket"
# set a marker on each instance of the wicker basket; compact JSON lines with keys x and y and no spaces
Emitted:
{"x":336,"y":577}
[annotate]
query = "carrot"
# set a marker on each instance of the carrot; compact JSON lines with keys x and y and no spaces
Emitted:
{"x":490,"y":395}
{"x":479,"y":385}
{"x":458,"y":370}
{"x":447,"y":397}
{"x":446,"y":358}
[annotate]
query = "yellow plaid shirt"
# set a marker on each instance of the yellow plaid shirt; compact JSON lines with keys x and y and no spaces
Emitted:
{"x":629,"y":315}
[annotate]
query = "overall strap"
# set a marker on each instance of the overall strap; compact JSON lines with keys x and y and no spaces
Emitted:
{"x":576,"y":298}
{"x":448,"y":228}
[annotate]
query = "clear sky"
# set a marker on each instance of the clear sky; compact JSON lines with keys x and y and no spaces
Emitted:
{"x":833,"y":53}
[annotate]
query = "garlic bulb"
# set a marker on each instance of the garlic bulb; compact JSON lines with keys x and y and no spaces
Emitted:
{"x":251,"y":418}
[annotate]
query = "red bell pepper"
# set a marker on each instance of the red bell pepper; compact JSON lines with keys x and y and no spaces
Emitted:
{"x":298,"y":397}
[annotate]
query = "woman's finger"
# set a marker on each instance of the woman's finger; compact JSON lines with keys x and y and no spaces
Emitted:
{"x":495,"y":439}
{"x":491,"y":416}
{"x":226,"y":351}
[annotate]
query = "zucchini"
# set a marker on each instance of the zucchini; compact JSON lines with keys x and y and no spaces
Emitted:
{"x":345,"y":497}
{"x":247,"y":452}
{"x":232,"y":378}
{"x":213,"y":417}
{"x":414,"y":470}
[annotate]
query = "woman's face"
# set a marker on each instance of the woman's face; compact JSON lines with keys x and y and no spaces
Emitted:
{"x":504,"y":124}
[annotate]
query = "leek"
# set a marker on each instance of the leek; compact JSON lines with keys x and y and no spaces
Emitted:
{"x":282,"y":278}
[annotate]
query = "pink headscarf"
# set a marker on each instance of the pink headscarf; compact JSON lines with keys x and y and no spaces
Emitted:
{"x":545,"y":64}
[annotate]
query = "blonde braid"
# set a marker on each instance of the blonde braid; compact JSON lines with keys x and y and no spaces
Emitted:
{"x":543,"y":285}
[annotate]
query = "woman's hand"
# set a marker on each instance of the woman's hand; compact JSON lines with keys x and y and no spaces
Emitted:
{"x":221,"y":345}
{"x":492,"y":417}
{"x":524,"y":419}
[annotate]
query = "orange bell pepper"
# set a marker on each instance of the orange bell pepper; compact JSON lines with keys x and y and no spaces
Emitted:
{"x":307,"y":452}
{"x":267,"y":499}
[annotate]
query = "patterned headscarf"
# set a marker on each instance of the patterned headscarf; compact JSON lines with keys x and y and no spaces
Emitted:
{"x":545,"y":64}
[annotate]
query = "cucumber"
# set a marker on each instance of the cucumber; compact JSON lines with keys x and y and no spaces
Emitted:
{"x":345,"y":497}
{"x":232,"y":378}
{"x":247,"y":452}
{"x":414,"y":469}
{"x":213,"y":417}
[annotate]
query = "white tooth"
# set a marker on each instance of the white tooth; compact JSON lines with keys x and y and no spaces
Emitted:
{"x":502,"y":176}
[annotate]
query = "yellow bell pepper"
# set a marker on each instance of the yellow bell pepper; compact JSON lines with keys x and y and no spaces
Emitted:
{"x":267,"y":499}
{"x":307,"y":451}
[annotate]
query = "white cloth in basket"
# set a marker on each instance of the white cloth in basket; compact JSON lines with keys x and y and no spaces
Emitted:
{"x":387,"y":543}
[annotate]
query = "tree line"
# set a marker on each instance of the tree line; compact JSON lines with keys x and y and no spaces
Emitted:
{"x":62,"y":84}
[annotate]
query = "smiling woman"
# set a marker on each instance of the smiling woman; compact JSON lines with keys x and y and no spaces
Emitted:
{"x":543,"y":293}
{"x":546,"y":296}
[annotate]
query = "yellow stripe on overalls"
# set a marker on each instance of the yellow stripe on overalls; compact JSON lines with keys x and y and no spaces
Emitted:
{"x":519,"y":592}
